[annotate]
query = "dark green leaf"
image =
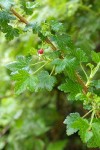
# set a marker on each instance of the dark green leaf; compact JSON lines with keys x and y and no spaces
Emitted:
{"x":23,"y":80}
{"x":70,"y":87}
{"x":46,"y":81}
{"x":63,"y":42}
{"x":80,"y":55}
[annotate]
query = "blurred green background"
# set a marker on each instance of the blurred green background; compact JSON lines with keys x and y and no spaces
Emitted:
{"x":34,"y":121}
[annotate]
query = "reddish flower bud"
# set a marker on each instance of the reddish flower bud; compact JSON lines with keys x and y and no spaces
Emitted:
{"x":40,"y":51}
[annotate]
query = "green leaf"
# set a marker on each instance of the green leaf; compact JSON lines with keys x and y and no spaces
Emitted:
{"x":46,"y":81}
{"x":21,"y":63}
{"x":95,"y":56}
{"x":31,"y":5}
{"x":60,"y":64}
{"x":76,"y":123}
{"x":70,"y":87}
{"x":23,"y":80}
{"x":71,"y":66}
{"x":95,"y":140}
{"x":63,"y":42}
{"x":96,"y":83}
{"x":5,"y":18}
{"x":66,"y":64}
{"x":73,"y":117}
{"x":53,"y":55}
{"x":56,"y":26}
{"x":26,"y":9}
{"x":81,"y":96}
{"x":11,"y":33}
{"x":83,"y":126}
{"x":80,"y":55}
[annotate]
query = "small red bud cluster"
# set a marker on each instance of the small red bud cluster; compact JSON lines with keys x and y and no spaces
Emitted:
{"x":40,"y":51}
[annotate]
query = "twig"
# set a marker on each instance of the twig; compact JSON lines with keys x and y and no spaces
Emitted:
{"x":37,"y":63}
{"x":47,"y":40}
{"x":92,"y":117}
{"x":40,"y":68}
{"x":87,"y":113}
{"x":50,"y":43}
{"x":4,"y":130}
{"x":22,"y":19}
{"x":52,"y":70}
{"x":85,"y":89}
{"x":84,"y":71}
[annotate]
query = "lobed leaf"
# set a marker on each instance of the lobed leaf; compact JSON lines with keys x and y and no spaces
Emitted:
{"x":70,"y":87}
{"x":83,"y":126}
{"x":21,"y":63}
{"x":66,"y":64}
{"x":95,"y":56}
{"x":95,"y":140}
{"x":46,"y":81}
{"x":63,"y":42}
{"x":23,"y":80}
{"x":69,"y":122}
{"x":80,"y":55}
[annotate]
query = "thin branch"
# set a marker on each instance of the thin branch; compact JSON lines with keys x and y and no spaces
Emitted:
{"x":50,"y":43}
{"x":85,"y":89}
{"x":37,"y":63}
{"x":87,"y":113}
{"x":4,"y":131}
{"x":21,"y":18}
{"x":40,"y":68}
{"x":84,"y":71}
{"x":92,"y":117}
{"x":52,"y":70}
{"x":47,"y":40}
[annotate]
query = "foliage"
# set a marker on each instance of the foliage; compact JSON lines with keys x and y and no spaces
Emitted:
{"x":68,"y":64}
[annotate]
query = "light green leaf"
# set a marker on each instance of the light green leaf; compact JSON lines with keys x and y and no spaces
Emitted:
{"x":83,"y":126}
{"x":95,"y":56}
{"x":21,"y":63}
{"x":73,"y":117}
{"x":95,"y":140}
{"x":31,"y":5}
